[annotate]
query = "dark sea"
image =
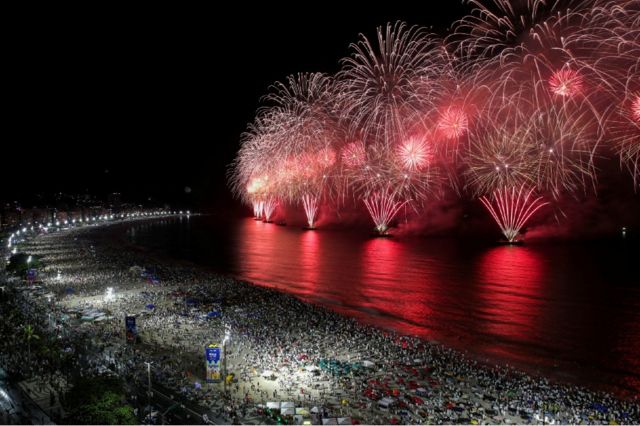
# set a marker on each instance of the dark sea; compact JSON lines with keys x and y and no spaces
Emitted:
{"x":567,"y":311}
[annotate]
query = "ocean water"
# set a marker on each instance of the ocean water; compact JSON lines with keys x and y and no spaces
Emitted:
{"x":567,"y":311}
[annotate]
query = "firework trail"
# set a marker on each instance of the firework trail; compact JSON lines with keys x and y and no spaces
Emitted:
{"x":511,"y":208}
{"x":383,"y":206}
{"x":310,"y":204}
{"x":258,"y":208}
{"x":269,"y":208}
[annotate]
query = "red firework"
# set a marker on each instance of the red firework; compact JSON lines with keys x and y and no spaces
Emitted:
{"x":414,"y":154}
{"x":566,"y":83}
{"x":269,"y":207}
{"x":353,"y":154}
{"x":310,"y":204}
{"x":513,"y":208}
{"x":635,"y":109}
{"x":326,"y":157}
{"x":453,"y":123}
{"x":383,"y":206}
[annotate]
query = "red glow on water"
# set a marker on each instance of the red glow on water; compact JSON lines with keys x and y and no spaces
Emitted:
{"x":400,"y":306}
{"x":310,"y":255}
{"x":511,"y":287}
{"x":566,"y":82}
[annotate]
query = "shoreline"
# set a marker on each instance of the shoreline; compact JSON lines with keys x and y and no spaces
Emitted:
{"x":459,"y":389}
{"x":395,"y":324}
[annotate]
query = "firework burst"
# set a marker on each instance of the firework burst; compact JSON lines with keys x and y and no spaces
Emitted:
{"x":354,"y":154}
{"x":380,"y":82}
{"x":523,"y":97}
{"x":453,"y":123}
{"x":566,"y":83}
{"x":414,"y":154}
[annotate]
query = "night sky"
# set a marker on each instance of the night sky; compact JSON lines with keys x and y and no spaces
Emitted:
{"x":147,"y":102}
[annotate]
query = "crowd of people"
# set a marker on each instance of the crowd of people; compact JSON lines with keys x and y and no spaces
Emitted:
{"x":278,"y":348}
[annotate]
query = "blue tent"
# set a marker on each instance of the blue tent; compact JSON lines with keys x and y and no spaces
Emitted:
{"x":213,"y":314}
{"x":69,"y":290}
{"x":599,"y":407}
{"x":191,"y":301}
{"x":151,"y":306}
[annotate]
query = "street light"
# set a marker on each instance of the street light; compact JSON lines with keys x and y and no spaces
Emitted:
{"x":227,"y":336}
{"x":149,"y":391}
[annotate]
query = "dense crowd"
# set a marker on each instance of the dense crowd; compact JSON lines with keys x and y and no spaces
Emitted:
{"x":280,"y":349}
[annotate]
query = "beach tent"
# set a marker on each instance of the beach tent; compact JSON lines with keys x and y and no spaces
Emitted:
{"x":422,"y":392}
{"x":150,"y":306}
{"x":267,"y":373}
{"x":330,"y":421}
{"x":287,"y":404}
{"x":302,"y":411}
{"x":386,"y":402}
{"x":344,"y":421}
{"x":287,"y":411}
{"x":315,"y":410}
{"x":311,"y":368}
{"x":69,"y":290}
{"x":368,"y":364}
{"x":213,"y":314}
{"x":273,"y":405}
